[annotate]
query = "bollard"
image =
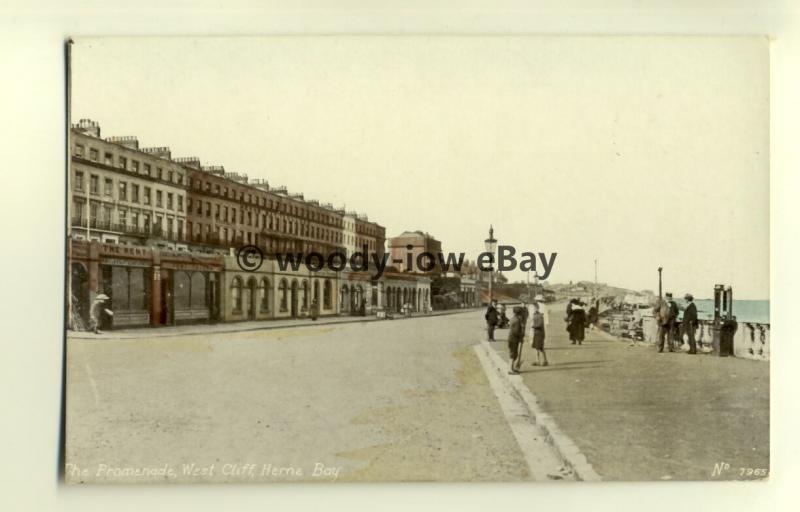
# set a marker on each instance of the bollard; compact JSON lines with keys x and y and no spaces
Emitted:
{"x":727,"y":331}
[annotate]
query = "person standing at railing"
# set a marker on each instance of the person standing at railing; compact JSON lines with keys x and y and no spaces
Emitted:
{"x":689,"y":323}
{"x":666,"y":313}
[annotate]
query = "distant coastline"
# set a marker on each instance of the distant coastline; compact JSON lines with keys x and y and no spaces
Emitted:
{"x":756,"y":311}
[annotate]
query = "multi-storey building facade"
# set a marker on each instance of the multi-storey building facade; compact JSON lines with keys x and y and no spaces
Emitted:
{"x":349,"y":232}
{"x":414,"y":243}
{"x":120,"y":193}
{"x":370,"y":235}
{"x":141,"y":221}
{"x":227,"y":210}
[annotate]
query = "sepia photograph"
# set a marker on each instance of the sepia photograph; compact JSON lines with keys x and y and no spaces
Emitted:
{"x":417,"y":258}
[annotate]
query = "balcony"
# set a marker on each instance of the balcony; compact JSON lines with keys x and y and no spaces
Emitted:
{"x":98,"y":224}
{"x":130,"y":230}
{"x":118,"y":228}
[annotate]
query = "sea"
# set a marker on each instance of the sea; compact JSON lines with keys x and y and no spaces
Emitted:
{"x":754,"y":311}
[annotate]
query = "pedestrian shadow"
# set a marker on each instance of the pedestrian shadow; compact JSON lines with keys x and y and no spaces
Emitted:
{"x":559,"y":367}
{"x":572,"y":347}
{"x":597,"y":362}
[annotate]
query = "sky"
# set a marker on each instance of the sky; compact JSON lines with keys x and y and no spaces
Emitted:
{"x":640,"y":152}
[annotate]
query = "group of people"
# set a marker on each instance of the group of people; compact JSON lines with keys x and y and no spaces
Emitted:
{"x":516,"y":334}
{"x":578,"y":319}
{"x":666,"y":313}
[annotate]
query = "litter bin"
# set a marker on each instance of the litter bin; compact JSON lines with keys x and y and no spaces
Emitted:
{"x":726,"y":332}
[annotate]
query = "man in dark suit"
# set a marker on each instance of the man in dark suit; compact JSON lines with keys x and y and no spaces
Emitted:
{"x":491,"y":319}
{"x":667,"y":315}
{"x":690,"y":322}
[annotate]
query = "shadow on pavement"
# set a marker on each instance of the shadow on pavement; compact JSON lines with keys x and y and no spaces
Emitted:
{"x":555,"y":366}
{"x":578,"y":363}
{"x":572,"y":347}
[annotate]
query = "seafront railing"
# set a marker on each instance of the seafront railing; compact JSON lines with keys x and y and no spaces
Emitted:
{"x":751,"y":340}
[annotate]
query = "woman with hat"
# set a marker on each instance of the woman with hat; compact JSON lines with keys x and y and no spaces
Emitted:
{"x":576,"y":322}
{"x":96,"y":312}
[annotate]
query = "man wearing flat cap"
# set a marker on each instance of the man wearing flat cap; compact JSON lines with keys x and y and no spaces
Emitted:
{"x":667,"y":315}
{"x":690,"y":322}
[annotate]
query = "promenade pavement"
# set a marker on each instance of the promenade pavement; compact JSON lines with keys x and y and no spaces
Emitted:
{"x":232,"y":327}
{"x":641,"y":415}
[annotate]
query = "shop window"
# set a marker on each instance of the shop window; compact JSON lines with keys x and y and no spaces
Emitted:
{"x":199,"y":296}
{"x":236,"y":294}
{"x":284,"y":295}
{"x":265,"y":294}
{"x":182,"y":298}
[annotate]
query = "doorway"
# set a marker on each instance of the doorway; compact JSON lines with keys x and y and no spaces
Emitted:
{"x":253,"y":296}
{"x":166,"y":298}
{"x":294,"y":299}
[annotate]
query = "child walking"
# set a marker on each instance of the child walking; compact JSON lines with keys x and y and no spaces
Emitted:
{"x":537,"y":338}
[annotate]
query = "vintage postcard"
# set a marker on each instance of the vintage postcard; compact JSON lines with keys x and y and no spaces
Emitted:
{"x":360,"y":259}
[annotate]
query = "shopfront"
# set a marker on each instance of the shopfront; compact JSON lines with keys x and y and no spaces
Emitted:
{"x":145,"y":286}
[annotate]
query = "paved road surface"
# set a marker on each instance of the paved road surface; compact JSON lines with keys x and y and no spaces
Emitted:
{"x":392,"y":400}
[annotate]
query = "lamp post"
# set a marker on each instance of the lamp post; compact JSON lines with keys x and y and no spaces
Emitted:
{"x":491,"y":245}
{"x":530,"y":297}
{"x":659,"y":282}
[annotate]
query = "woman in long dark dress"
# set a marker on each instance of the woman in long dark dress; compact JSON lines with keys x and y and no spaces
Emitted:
{"x":577,"y":323}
